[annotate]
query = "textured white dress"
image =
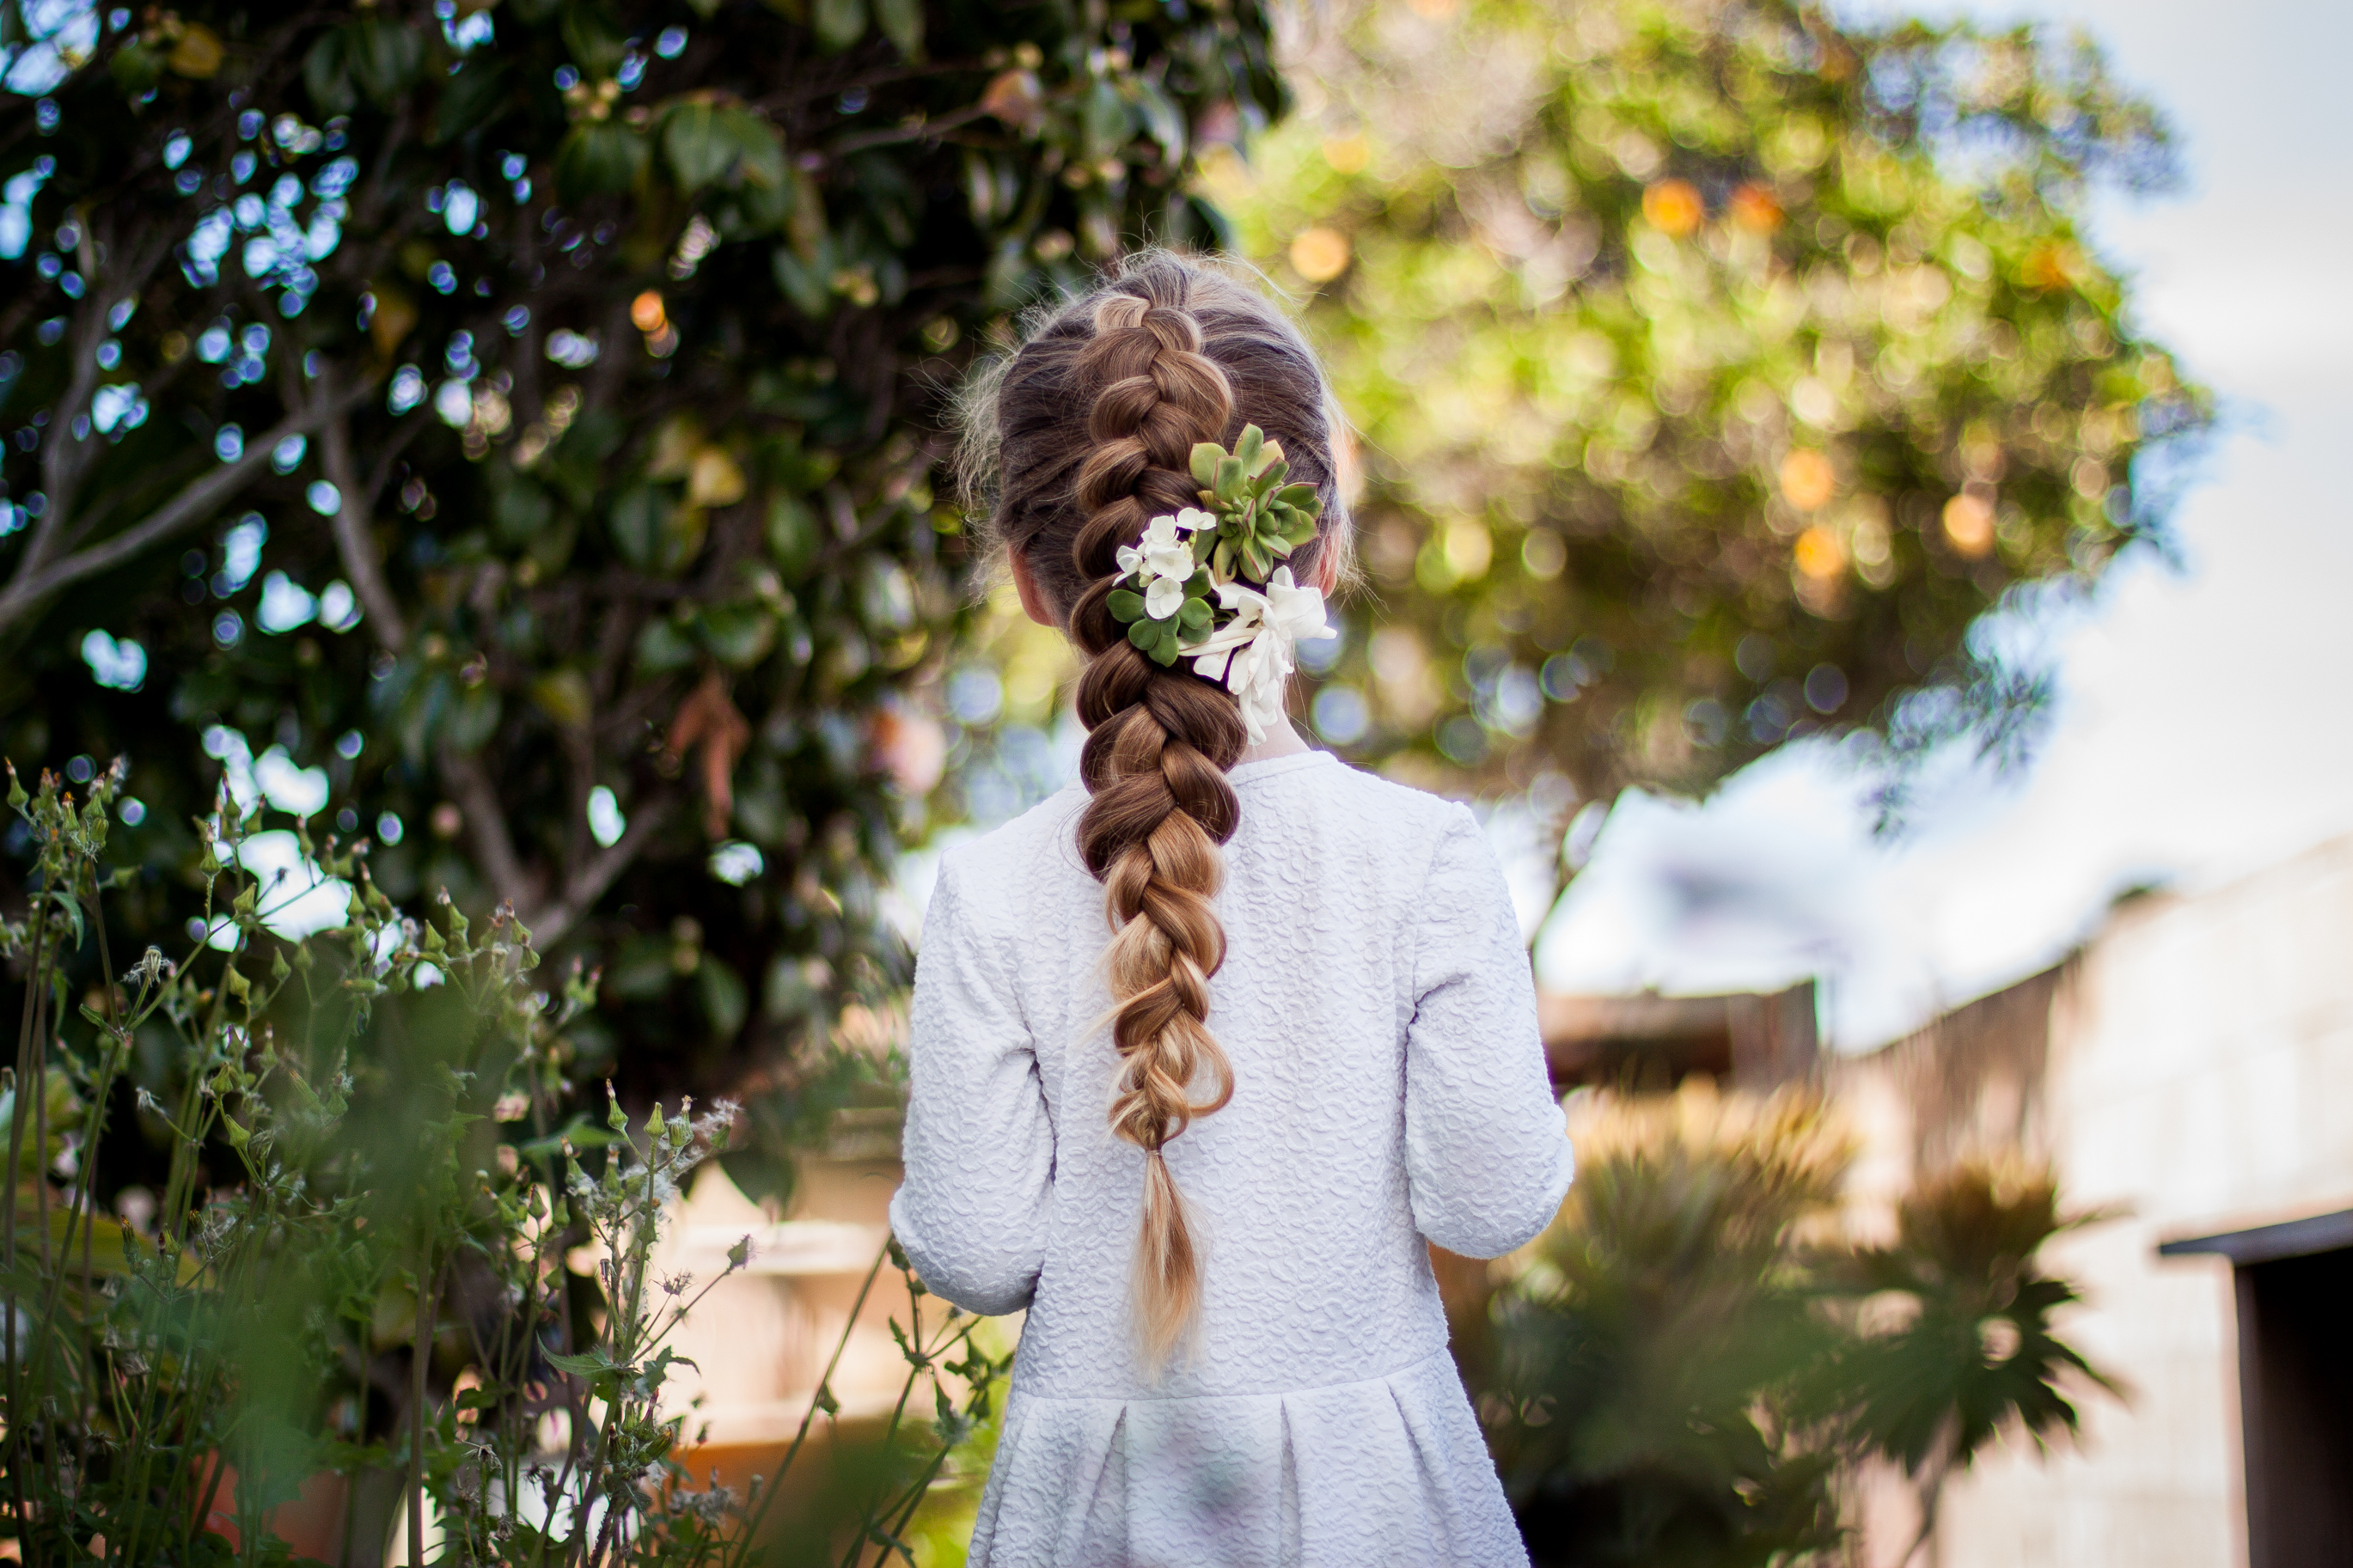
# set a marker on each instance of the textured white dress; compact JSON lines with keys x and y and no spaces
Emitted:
{"x":1390,"y":1086}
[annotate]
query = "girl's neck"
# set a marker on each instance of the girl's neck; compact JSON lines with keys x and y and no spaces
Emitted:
{"x":1281,"y":743}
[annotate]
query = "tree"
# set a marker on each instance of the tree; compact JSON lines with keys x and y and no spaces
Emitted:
{"x":1681,"y":1369}
{"x":1647,"y":1401}
{"x":1717,"y":368}
{"x":508,"y":431}
{"x":1972,"y":1349}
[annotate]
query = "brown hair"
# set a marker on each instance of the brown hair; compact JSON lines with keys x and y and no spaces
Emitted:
{"x":1078,"y":440}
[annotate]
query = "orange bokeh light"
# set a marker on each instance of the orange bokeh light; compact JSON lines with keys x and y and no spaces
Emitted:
{"x":1319,"y":255}
{"x":1819,"y":553}
{"x":645,"y":312}
{"x":1968,"y":523}
{"x":1673,"y":207}
{"x":1808,"y":480}
{"x":1754,"y":209}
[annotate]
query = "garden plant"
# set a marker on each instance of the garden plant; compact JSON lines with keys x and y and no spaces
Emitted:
{"x":386,"y":1284}
{"x":1693,"y":1365}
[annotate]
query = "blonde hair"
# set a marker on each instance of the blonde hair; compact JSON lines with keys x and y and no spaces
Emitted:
{"x":1076,"y":442}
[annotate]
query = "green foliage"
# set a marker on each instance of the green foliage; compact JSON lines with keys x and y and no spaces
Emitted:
{"x":1260,"y":519}
{"x":526,"y":418}
{"x":367,"y":1191}
{"x":1653,"y":1358}
{"x":1248,"y":519}
{"x":1974,"y":1348}
{"x":1717,"y":366}
{"x":1681,"y":1368}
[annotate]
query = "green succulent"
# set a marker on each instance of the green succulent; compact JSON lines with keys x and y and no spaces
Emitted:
{"x":1260,"y":519}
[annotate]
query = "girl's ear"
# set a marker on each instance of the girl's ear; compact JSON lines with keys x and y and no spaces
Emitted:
{"x":1328,"y":571}
{"x":1033,"y":598}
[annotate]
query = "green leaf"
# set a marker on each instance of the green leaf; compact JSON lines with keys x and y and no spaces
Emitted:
{"x":1143,"y":634}
{"x":804,"y":286}
{"x":662,"y":647}
{"x":469,"y":99}
{"x":1105,"y":119}
{"x":1196,"y":615}
{"x":1125,"y":603}
{"x":598,"y":160}
{"x":596,"y":37}
{"x":1246,"y":449}
{"x":326,"y":75}
{"x":839,"y":24}
{"x":383,"y":57}
{"x":902,"y":22}
{"x":1163,"y":120}
{"x":636,"y":523}
{"x":1205,"y":464}
{"x":739,"y":634}
{"x":725,"y":1002}
{"x":706,"y":143}
{"x":1229,"y":480}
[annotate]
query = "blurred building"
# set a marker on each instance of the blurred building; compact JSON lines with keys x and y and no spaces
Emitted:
{"x":2190,"y":1070}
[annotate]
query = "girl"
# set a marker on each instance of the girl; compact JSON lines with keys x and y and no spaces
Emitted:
{"x":1205,"y":1050}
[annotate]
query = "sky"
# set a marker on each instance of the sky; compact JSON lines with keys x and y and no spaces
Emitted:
{"x":2200,"y":731}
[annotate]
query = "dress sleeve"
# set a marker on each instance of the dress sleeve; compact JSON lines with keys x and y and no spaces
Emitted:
{"x":973,"y":1211}
{"x":1487,"y":1153}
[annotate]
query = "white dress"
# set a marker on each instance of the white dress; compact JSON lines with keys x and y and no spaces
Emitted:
{"x":1390,"y":1086}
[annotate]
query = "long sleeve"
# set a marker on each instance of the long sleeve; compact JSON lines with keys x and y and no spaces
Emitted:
{"x":1487,"y":1153}
{"x":974,"y":1210}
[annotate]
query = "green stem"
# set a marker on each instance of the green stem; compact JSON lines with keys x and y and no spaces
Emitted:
{"x":43,"y":955}
{"x":776,"y":1482}
{"x":428,"y":1286}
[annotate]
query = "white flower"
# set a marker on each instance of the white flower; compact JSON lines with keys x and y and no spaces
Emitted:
{"x":1161,"y":553}
{"x":1250,"y":655}
{"x":1192,"y":519}
{"x":1164,"y":598}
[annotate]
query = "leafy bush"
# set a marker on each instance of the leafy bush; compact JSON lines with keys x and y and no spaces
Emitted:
{"x":357,"y":1263}
{"x":1681,"y":1369}
{"x":522,"y":418}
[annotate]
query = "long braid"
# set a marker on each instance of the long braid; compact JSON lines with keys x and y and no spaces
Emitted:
{"x":1158,"y":743}
{"x":1073,"y":446}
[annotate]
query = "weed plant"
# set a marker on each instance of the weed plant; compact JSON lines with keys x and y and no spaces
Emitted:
{"x":362,"y":1276}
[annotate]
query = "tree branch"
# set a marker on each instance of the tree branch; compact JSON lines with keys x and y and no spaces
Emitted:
{"x":66,"y":456}
{"x":190,"y":506}
{"x":354,"y":545}
{"x":586,"y":885}
{"x":486,"y":825}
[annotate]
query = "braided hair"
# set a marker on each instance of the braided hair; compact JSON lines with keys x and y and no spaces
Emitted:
{"x":1085,"y":436}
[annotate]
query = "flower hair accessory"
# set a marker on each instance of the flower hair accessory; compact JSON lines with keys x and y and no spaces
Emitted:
{"x":1204,"y":585}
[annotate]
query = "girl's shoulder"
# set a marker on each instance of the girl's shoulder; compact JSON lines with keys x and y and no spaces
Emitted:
{"x":1032,"y":858}
{"x":1320,"y":784}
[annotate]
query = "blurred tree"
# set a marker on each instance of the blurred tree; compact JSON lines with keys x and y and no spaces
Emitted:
{"x":504,"y":431}
{"x":1680,"y":1370}
{"x":1653,"y":1353}
{"x":1972,"y":1347}
{"x":1716,"y":365}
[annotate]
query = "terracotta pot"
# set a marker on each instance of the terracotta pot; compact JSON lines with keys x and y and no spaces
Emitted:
{"x":311,"y":1524}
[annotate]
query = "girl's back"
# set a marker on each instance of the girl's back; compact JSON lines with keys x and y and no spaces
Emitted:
{"x":1203,"y":1050}
{"x":1376,"y":1005}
